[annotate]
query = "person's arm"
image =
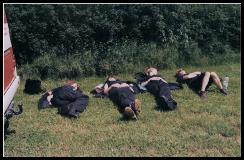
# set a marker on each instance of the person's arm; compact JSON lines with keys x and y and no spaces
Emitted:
{"x":131,"y":89}
{"x":143,"y":84}
{"x":191,"y":75}
{"x":107,"y":89}
{"x":126,"y":85}
{"x":158,"y":78}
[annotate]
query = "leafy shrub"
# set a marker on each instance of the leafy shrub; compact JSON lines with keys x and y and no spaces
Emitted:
{"x":87,"y":39}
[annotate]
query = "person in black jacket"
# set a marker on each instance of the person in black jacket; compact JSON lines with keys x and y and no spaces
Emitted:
{"x":199,"y":81}
{"x":160,"y":88}
{"x":123,"y":95}
{"x":68,"y":98}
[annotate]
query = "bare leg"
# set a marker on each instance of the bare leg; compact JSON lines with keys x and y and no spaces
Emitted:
{"x":216,"y":80}
{"x":205,"y":81}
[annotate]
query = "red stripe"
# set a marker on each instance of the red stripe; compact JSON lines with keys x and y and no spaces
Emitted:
{"x":5,"y":18}
{"x":9,"y":68}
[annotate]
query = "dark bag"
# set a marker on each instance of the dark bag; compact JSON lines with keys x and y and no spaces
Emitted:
{"x":140,"y":77}
{"x":32,"y":86}
{"x":135,"y":87}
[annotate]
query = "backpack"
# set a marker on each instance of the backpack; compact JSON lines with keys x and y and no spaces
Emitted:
{"x":32,"y":86}
{"x":140,"y":77}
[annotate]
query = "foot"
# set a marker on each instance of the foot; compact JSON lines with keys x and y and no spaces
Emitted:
{"x":130,"y":113}
{"x":137,"y":106}
{"x":223,"y":91}
{"x":203,"y":95}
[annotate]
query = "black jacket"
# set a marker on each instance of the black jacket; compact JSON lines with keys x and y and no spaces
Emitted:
{"x":69,"y":102}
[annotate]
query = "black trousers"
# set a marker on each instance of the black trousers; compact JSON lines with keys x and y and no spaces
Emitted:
{"x":159,"y":88}
{"x":162,"y":94}
{"x":122,"y":97}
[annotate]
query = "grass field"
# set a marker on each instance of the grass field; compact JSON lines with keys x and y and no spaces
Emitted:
{"x":196,"y":128}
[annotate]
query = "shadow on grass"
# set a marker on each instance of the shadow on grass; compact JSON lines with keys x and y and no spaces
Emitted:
{"x":126,"y":119}
{"x":73,"y":117}
{"x":196,"y":91}
{"x":7,"y":131}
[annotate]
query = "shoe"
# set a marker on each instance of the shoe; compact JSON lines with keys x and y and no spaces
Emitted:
{"x":137,"y":106}
{"x":223,"y":91}
{"x":203,"y":95}
{"x":130,"y":113}
{"x":168,"y":103}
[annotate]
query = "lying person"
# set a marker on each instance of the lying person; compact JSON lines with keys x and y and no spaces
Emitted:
{"x":98,"y":91}
{"x":159,"y":87}
{"x":199,"y":81}
{"x":122,"y":94}
{"x":68,"y":98}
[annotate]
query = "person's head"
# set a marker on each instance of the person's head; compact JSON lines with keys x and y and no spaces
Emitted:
{"x":180,"y":72}
{"x":111,"y":78}
{"x":73,"y":84}
{"x":49,"y":92}
{"x":151,"y":71}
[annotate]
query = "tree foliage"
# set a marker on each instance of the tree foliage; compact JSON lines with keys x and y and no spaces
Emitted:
{"x":104,"y":38}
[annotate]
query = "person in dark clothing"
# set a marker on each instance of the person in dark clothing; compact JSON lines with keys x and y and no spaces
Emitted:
{"x":199,"y":81}
{"x":157,"y":86}
{"x":97,"y":91}
{"x":122,"y":94}
{"x":69,"y":99}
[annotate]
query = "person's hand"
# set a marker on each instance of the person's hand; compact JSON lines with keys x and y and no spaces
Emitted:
{"x":49,"y":99}
{"x":99,"y":90}
{"x":132,"y":89}
{"x":75,"y":85}
{"x":124,"y":85}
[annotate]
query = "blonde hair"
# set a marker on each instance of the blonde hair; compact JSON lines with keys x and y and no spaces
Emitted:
{"x":111,"y":76}
{"x":151,"y":69}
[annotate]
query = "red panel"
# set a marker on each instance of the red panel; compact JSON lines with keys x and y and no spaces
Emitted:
{"x":5,"y":19}
{"x":9,"y":68}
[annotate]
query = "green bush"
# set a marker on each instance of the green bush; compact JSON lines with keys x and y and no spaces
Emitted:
{"x":87,"y":39}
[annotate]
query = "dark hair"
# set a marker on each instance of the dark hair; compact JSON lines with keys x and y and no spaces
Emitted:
{"x":179,"y":78}
{"x":177,"y":72}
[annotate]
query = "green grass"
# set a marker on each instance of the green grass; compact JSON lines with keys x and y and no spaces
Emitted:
{"x":196,"y":128}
